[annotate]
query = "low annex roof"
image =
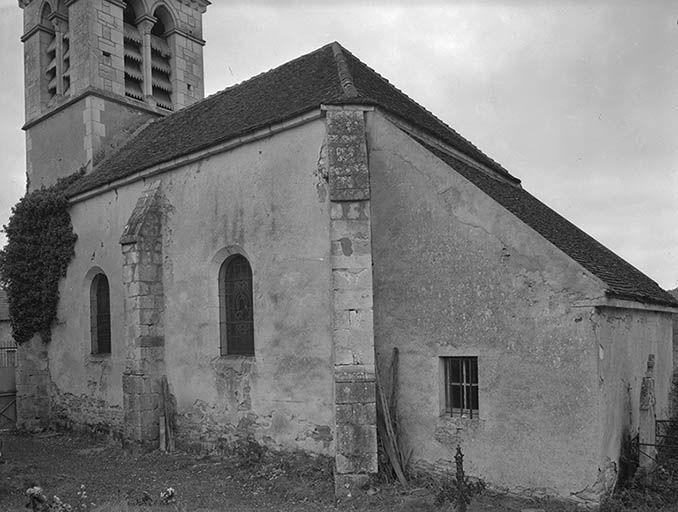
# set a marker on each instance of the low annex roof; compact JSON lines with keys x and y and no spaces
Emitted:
{"x":333,"y":76}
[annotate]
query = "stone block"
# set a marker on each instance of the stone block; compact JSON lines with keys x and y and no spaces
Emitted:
{"x":349,"y":194}
{"x":132,"y":384}
{"x":128,"y":272}
{"x":358,"y":229}
{"x":352,"y":299}
{"x":356,"y":340}
{"x":148,"y":316}
{"x":151,"y":341}
{"x":352,"y":262}
{"x":144,"y":302}
{"x":354,"y":373}
{"x":355,"y":392}
{"x":361,"y":319}
{"x":357,"y":210}
{"x":345,"y":122}
{"x":356,"y":463}
{"x":353,"y":355}
{"x":136,"y":288}
{"x":350,"y":485}
{"x":359,"y":414}
{"x":146,"y":272}
{"x":356,"y":440}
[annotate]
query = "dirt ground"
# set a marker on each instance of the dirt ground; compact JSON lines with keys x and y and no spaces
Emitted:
{"x":116,"y":481}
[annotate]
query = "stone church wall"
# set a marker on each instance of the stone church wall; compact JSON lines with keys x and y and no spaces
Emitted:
{"x":456,"y":275}
{"x":267,"y":201}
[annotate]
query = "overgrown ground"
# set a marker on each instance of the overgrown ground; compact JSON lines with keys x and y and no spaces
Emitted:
{"x":115,"y":481}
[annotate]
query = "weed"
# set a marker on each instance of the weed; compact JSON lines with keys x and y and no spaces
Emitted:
{"x":248,"y":452}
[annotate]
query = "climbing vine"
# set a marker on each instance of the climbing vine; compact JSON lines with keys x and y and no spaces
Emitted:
{"x":40,"y":246}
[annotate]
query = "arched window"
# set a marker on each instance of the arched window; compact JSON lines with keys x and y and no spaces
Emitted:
{"x":236,"y":319}
{"x":100,"y":315}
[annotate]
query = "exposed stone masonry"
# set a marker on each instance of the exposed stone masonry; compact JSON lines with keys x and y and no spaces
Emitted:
{"x":32,"y":384}
{"x":144,"y":306}
{"x":353,"y":334}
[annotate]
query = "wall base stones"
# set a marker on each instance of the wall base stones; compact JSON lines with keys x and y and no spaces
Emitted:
{"x":33,"y":385}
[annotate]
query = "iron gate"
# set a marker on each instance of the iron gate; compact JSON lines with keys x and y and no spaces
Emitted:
{"x":7,"y":384}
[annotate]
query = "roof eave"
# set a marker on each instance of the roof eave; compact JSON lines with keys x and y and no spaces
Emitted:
{"x":622,"y":301}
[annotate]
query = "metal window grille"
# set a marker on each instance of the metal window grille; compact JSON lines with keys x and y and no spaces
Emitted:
{"x":237,"y":323}
{"x":100,"y":314}
{"x":461,"y":386}
{"x":8,"y":354}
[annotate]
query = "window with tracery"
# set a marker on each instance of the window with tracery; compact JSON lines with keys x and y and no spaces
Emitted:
{"x":100,"y":315}
{"x":236,"y":312}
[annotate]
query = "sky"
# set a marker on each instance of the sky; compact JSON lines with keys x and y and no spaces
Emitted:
{"x":579,"y":99}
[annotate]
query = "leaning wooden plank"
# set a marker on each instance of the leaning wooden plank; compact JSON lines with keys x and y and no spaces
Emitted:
{"x":388,"y":435}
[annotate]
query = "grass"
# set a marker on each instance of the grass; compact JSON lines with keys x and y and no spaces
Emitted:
{"x":253,"y":479}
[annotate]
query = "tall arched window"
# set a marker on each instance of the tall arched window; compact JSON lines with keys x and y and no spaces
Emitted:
{"x":236,"y":318}
{"x":100,"y":315}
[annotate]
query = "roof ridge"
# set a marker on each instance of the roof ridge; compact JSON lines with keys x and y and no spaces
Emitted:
{"x":345,"y":76}
{"x":443,"y":123}
{"x":209,"y":97}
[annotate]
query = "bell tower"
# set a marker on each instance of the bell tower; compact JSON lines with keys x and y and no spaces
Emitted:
{"x":95,"y":70}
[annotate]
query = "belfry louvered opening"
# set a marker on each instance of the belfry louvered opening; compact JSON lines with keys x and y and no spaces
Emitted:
{"x":133,"y":48}
{"x":148,"y":79}
{"x":57,"y":58}
{"x":161,"y":64}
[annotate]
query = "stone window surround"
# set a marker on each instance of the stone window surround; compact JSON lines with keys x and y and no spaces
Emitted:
{"x":90,"y":277}
{"x":479,"y":414}
{"x":215,"y":298}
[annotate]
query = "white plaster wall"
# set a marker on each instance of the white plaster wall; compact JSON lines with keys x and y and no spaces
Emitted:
{"x":626,"y":338}
{"x":266,"y":200}
{"x":455,"y":274}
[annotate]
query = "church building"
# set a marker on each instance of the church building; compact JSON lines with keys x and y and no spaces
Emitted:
{"x":265,"y":249}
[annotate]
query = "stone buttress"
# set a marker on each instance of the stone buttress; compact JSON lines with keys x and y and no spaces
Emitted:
{"x":141,"y":243}
{"x":352,"y":325}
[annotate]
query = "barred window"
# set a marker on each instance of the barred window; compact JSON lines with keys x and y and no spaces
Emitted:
{"x":236,"y":313}
{"x":100,"y":315}
{"x":461,"y":386}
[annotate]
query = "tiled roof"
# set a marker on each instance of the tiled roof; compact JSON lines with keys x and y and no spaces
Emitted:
{"x":4,"y":306}
{"x":622,"y":279}
{"x":332,"y":75}
{"x":329,"y":75}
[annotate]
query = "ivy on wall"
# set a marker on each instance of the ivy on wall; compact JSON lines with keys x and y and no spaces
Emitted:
{"x":40,"y":246}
